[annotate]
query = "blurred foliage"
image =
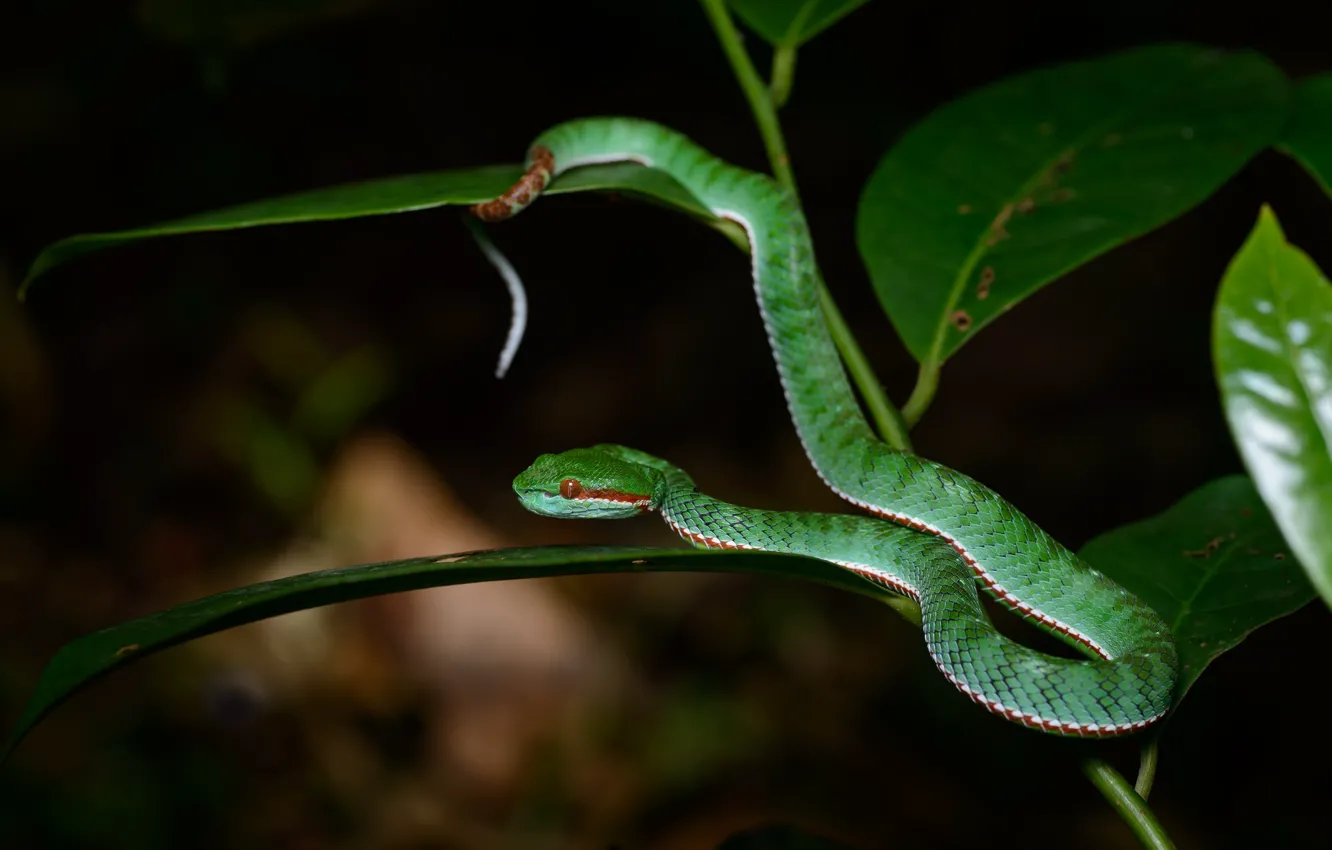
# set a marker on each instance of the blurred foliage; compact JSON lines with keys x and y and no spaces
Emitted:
{"x":241,"y":23}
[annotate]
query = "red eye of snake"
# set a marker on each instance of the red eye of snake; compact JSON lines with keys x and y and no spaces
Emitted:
{"x":570,"y":488}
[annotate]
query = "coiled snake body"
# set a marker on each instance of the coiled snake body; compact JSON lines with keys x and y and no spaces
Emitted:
{"x":947,"y":531}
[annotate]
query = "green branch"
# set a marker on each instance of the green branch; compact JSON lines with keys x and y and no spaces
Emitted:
{"x":1147,"y":768}
{"x":892,"y":428}
{"x":1128,"y":804}
{"x":783,"y":74}
{"x":927,"y":382}
{"x":756,"y":91}
{"x":761,"y":104}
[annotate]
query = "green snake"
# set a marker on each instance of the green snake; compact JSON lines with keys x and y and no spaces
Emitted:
{"x":947,"y":533}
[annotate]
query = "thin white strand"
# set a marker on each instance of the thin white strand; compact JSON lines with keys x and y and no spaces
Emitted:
{"x":517,"y":295}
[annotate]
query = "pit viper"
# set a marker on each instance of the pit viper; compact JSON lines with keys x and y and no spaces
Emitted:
{"x":945,"y":534}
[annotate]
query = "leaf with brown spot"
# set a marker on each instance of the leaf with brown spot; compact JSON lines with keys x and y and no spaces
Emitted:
{"x":986,"y":279}
{"x":1212,"y":598}
{"x":1043,"y":136}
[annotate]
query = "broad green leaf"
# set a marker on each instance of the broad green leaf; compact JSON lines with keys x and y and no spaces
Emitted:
{"x":88,"y":658}
{"x":998,"y":193}
{"x":406,"y":193}
{"x":1214,"y":566}
{"x":1272,"y":347}
{"x":1308,"y":135}
{"x":790,"y":23}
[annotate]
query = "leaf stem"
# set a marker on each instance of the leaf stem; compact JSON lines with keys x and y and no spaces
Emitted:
{"x":756,"y":92}
{"x":1147,"y":767}
{"x":1126,"y":802}
{"x":927,"y":382}
{"x":761,"y":103}
{"x":783,"y":73}
{"x":892,"y":427}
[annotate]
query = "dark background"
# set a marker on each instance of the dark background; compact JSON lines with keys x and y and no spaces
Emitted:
{"x":154,"y":447}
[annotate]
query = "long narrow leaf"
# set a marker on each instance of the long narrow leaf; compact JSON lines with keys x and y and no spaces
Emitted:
{"x":88,"y":658}
{"x":406,"y":193}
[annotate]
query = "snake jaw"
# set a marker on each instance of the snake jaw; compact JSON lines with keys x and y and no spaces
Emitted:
{"x":546,"y":503}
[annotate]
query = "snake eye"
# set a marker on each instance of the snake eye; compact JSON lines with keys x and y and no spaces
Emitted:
{"x":570,"y":488}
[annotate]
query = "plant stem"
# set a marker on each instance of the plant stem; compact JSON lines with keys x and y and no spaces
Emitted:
{"x":890,"y":425}
{"x":927,"y":382}
{"x":783,"y":74}
{"x":756,"y":92}
{"x":764,"y":101}
{"x":1147,"y":768}
{"x":1126,"y":802}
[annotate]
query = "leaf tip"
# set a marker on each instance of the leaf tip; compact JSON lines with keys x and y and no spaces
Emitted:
{"x":1267,"y":218}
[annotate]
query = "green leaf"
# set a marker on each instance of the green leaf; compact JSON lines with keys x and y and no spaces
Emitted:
{"x":88,"y":658}
{"x":1272,"y":346}
{"x":406,"y":193}
{"x":790,"y":23}
{"x":1214,"y":566}
{"x":1308,"y":136}
{"x":1000,"y":192}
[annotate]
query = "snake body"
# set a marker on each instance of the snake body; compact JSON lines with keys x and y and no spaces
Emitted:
{"x":1128,"y":681}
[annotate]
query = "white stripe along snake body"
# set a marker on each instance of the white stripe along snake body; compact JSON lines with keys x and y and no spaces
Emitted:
{"x":947,"y":530}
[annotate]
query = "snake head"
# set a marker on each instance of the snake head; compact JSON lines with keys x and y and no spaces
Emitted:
{"x":594,"y":483}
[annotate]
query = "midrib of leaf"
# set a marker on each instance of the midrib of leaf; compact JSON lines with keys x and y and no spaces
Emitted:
{"x":978,"y":250}
{"x":973,"y":258}
{"x":1214,"y":566}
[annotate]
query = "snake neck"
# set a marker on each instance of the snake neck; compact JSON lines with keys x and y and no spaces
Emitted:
{"x":828,"y":418}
